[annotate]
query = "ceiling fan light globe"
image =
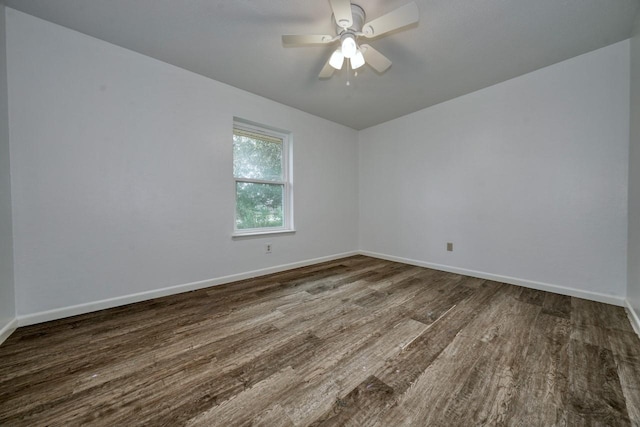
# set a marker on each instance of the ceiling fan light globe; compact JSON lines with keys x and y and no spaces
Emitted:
{"x":349,"y":47}
{"x":357,"y":60}
{"x":336,"y":60}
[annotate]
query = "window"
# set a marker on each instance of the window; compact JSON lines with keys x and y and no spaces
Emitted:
{"x":262,"y":180}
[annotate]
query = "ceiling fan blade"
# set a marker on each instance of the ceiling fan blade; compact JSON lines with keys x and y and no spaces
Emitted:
{"x":375,"y":59}
{"x":327,"y":71}
{"x":401,"y":17}
{"x":342,"y":12}
{"x":292,"y":40}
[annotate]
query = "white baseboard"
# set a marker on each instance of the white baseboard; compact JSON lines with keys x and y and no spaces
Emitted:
{"x":573,"y":292}
{"x":633,"y":317}
{"x":8,"y":329}
{"x":59,"y":313}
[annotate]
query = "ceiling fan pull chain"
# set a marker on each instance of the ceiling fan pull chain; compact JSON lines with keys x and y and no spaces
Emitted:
{"x":348,"y":83}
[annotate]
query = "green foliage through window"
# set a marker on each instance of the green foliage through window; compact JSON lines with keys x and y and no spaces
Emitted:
{"x":259,"y":171}
{"x":259,"y":205}
{"x":256,"y":156}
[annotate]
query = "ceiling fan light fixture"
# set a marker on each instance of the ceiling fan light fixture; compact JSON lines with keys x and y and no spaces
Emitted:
{"x":336,"y":60}
{"x":349,"y":47}
{"x":357,"y":60}
{"x":352,"y":26}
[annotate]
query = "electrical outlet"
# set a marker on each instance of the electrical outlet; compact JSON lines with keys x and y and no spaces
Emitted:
{"x":267,"y":248}
{"x":450,"y":247}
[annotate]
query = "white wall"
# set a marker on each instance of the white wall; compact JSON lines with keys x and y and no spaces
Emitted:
{"x":527,"y":178}
{"x":7,"y":298}
{"x":122,"y":173}
{"x":633,"y":289}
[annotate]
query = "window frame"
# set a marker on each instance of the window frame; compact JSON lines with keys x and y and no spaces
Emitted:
{"x":287,"y":196}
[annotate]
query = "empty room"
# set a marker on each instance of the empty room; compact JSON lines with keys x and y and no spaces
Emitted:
{"x":330,"y":212}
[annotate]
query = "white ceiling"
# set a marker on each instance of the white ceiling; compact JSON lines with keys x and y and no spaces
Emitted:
{"x":458,"y":47}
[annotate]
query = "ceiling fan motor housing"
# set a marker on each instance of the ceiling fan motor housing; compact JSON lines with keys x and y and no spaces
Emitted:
{"x":358,"y":16}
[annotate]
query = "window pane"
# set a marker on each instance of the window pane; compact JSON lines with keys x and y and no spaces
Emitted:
{"x":259,"y":205}
{"x":257,"y":156}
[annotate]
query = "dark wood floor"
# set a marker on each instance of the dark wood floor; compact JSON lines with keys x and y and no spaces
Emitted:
{"x":357,"y":341}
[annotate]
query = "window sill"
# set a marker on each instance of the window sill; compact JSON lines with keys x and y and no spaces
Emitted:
{"x":235,"y":236}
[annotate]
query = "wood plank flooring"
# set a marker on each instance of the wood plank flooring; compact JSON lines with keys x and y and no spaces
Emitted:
{"x":357,"y":341}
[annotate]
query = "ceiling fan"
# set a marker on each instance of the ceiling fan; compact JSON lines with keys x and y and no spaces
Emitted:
{"x":350,"y":20}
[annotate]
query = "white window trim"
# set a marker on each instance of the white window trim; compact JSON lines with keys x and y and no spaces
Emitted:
{"x":287,"y":201}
